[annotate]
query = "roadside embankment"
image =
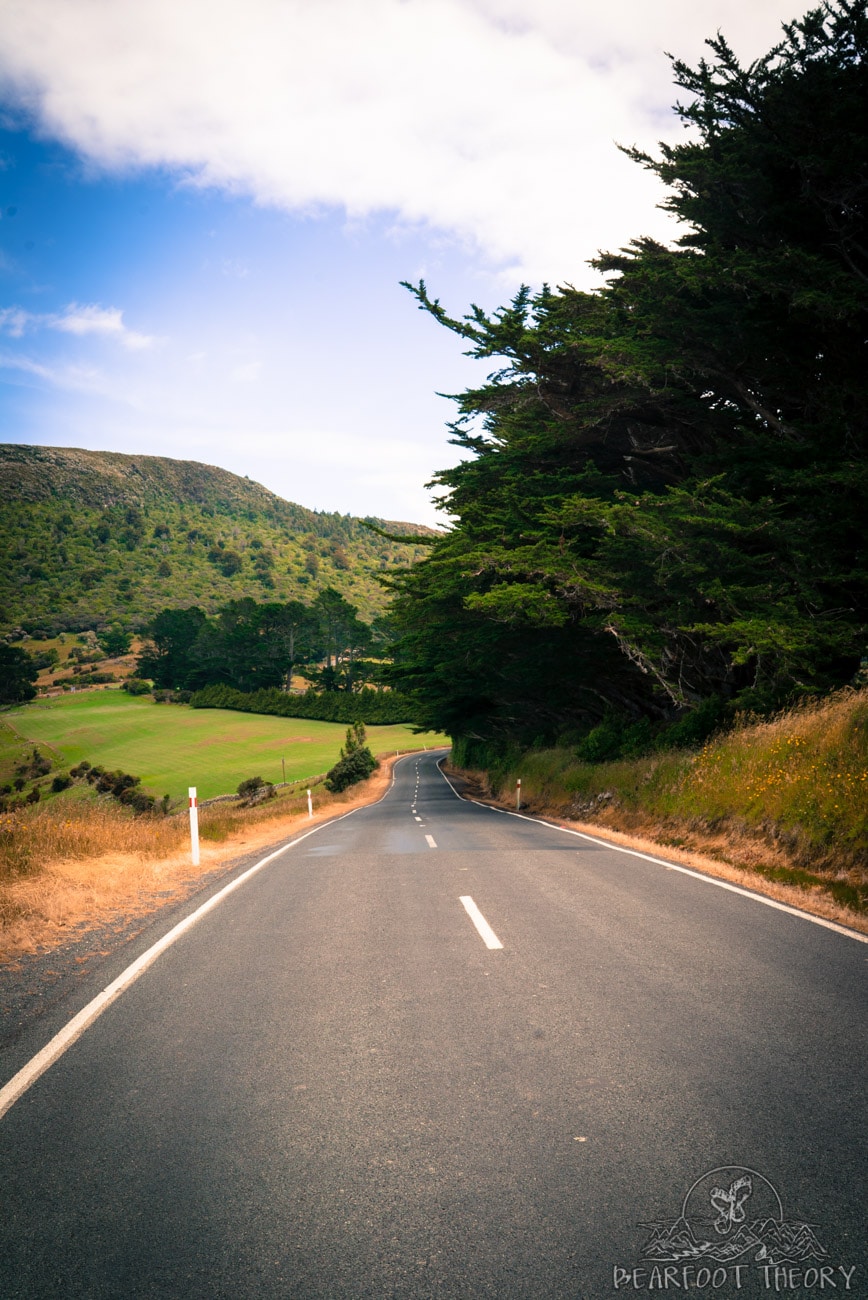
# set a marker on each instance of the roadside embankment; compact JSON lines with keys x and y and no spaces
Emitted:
{"x":66,"y":867}
{"x":780,"y":806}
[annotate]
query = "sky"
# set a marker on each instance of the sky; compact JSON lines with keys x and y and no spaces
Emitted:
{"x":207,"y":208}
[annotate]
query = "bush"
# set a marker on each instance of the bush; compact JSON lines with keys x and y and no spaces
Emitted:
{"x":60,"y":782}
{"x":39,"y":764}
{"x":348,"y":771}
{"x":137,"y":800}
{"x":250,"y":786}
{"x":136,"y":686}
{"x":356,"y":762}
{"x":172,"y":697}
{"x":255,"y":789}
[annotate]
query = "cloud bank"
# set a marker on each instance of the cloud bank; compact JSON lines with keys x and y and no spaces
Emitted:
{"x":493,"y":121}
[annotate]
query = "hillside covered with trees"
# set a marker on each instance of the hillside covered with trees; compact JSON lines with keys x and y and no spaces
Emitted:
{"x":90,"y":540}
{"x":661,"y":514}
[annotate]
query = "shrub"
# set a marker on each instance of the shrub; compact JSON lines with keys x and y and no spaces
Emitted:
{"x":254,"y":789}
{"x":60,"y":782}
{"x":356,"y":762}
{"x":136,"y":686}
{"x":250,"y":786}
{"x":172,"y":697}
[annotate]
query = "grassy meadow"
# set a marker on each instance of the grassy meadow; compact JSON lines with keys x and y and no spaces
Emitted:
{"x":171,"y":747}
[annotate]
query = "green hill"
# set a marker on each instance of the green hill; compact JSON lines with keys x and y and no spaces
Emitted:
{"x":91,"y":538}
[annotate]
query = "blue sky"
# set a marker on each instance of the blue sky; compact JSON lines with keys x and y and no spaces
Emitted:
{"x":205,"y":213}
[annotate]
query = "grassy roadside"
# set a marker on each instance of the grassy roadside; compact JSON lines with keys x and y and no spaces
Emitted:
{"x":780,"y":805}
{"x":91,"y":864}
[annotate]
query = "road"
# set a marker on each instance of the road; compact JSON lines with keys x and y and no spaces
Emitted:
{"x":330,"y":1086}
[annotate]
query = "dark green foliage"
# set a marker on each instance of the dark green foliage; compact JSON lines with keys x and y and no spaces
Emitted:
{"x":377,"y":708}
{"x":172,"y":697}
{"x":61,"y":782}
{"x":136,"y":686}
{"x":249,"y":646}
{"x":120,"y":785}
{"x":355,"y":764}
{"x":35,"y":766}
{"x":250,"y":786}
{"x":18,"y":672}
{"x":661,"y":510}
{"x":254,"y":789}
{"x":169,"y":660}
{"x":115,"y":641}
{"x":45,"y":658}
{"x":252,"y":647}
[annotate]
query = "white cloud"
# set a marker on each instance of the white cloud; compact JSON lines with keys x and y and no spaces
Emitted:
{"x":492,"y":120}
{"x":75,"y":319}
{"x":93,"y":319}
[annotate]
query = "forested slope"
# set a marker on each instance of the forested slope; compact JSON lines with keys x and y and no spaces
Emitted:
{"x":91,"y":538}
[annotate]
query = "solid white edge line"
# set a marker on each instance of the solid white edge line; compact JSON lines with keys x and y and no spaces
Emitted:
{"x":489,"y":938}
{"x":673,"y":866}
{"x":64,"y":1038}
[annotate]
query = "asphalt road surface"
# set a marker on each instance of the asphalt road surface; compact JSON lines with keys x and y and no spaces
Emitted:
{"x":332,"y":1086}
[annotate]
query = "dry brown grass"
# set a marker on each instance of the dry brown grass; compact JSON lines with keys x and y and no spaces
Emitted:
{"x":94,"y":865}
{"x":735,"y":853}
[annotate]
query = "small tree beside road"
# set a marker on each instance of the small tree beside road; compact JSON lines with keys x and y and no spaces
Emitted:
{"x":356,"y":762}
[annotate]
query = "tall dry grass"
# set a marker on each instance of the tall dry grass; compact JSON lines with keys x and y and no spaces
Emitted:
{"x":74,"y":864}
{"x":787,"y":796}
{"x":34,"y":837}
{"x":804,"y":772}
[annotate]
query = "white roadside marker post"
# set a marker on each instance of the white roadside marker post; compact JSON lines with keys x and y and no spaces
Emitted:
{"x":194,"y":826}
{"x":518,"y":795}
{"x":309,"y":805}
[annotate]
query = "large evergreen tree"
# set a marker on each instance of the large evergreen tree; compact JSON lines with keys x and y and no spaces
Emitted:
{"x":665,"y":493}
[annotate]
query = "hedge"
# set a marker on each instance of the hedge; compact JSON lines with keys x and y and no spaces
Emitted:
{"x":372,"y":707}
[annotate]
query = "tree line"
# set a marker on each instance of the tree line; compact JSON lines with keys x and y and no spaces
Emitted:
{"x":250,"y":646}
{"x":662,"y":506}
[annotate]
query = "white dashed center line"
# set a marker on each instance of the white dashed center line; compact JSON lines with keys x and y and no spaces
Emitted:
{"x":489,"y":938}
{"x":431,"y":843}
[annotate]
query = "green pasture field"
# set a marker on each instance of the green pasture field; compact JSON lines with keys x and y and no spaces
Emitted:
{"x":171,"y":746}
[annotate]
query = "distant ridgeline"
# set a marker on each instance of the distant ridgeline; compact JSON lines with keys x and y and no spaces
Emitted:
{"x":374,"y":708}
{"x":90,"y":539}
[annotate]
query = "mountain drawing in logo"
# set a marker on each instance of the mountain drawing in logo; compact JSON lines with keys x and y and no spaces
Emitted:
{"x":714,"y":1224}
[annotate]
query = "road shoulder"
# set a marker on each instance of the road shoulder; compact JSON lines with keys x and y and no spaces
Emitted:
{"x":469,"y":785}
